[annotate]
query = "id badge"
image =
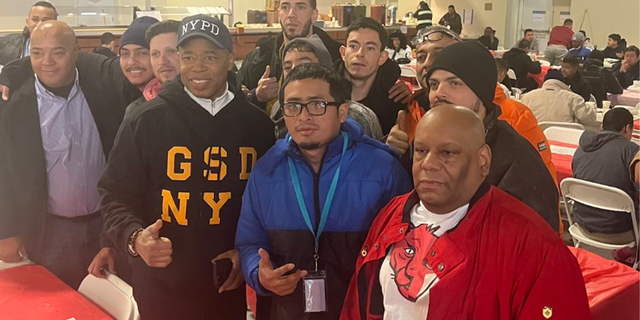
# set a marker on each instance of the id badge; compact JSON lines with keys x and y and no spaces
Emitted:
{"x":315,"y":291}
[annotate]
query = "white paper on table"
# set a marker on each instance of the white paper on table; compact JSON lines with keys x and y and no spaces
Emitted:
{"x":563,"y":150}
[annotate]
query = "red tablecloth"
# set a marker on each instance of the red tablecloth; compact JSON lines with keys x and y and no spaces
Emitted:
{"x":32,"y":292}
{"x":562,"y":162}
{"x":539,"y":78}
{"x":612,"y":288}
{"x":636,"y":124}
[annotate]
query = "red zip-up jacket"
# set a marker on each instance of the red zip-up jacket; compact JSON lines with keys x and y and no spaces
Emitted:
{"x":502,"y":261}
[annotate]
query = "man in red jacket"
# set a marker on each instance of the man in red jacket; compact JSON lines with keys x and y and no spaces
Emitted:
{"x":559,"y":42}
{"x":458,"y":248}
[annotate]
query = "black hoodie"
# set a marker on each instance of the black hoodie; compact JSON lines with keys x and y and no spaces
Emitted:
{"x":604,"y":157}
{"x":157,"y":170}
{"x":378,"y":98}
{"x":602,"y":80}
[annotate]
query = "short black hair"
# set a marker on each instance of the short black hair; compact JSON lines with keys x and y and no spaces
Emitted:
{"x":568,"y":22}
{"x":107,"y":37}
{"x":158,"y":28}
{"x":397,"y":35}
{"x":451,"y":6}
{"x":527,"y":31}
{"x":571,"y":60}
{"x":44,"y":4}
{"x":584,"y":33}
{"x":368,"y":23}
{"x":633,"y":49}
{"x":596,"y":54}
{"x":615,"y":37}
{"x":339,"y":86}
{"x":502,"y":65}
{"x":524,"y":44}
{"x":300,"y":46}
{"x":617,"y":119}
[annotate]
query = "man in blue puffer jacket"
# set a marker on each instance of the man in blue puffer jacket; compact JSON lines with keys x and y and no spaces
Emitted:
{"x":311,"y":199}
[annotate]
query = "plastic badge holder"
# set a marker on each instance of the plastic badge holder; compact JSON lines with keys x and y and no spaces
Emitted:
{"x":315,"y":292}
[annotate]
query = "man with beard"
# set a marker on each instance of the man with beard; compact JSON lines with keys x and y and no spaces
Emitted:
{"x":518,"y":168}
{"x":262,"y":74}
{"x":173,"y":186}
{"x":457,"y":247}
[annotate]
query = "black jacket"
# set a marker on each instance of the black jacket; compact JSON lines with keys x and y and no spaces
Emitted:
{"x":23,"y":177}
{"x":378,"y":98}
{"x":604,"y":157}
{"x":454,"y":20}
{"x":268,"y":53}
{"x":491,"y":45}
{"x":105,"y":52}
{"x":142,"y":182}
{"x":579,"y":86}
{"x":612,"y":53}
{"x":601,"y":79}
{"x":626,"y":78}
{"x":518,"y":169}
{"x":522,"y":65}
{"x":12,"y":46}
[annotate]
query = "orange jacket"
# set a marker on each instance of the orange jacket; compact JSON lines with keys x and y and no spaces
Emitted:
{"x":526,"y":124}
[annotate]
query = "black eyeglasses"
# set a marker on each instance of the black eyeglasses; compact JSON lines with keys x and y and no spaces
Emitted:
{"x":314,"y":108}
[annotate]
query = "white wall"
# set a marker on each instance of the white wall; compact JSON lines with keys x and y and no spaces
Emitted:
{"x":607,"y":17}
{"x":496,"y":18}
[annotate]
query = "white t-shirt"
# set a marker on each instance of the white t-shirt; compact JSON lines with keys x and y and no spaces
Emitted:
{"x":405,"y":277}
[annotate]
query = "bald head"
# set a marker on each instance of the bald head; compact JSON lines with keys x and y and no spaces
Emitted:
{"x":53,"y":53}
{"x":451,"y":158}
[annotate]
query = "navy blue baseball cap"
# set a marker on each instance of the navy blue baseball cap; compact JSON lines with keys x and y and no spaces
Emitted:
{"x":207,"y":27}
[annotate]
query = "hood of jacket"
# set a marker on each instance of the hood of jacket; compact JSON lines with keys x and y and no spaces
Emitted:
{"x":555,"y":84}
{"x":387,"y":75}
{"x":591,"y":141}
{"x":287,"y":147}
{"x":592,"y":63}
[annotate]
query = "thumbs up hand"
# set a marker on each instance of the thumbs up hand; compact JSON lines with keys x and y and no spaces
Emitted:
{"x":268,"y":87}
{"x":398,"y":138}
{"x":155,"y":250}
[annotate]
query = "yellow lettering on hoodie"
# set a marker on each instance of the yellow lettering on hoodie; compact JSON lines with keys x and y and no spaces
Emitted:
{"x":223,"y":197}
{"x":245,"y":152}
{"x":179,"y":211}
{"x":215,"y":163}
{"x":185,"y":166}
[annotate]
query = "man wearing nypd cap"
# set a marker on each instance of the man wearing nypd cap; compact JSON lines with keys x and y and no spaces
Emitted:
{"x":173,"y":187}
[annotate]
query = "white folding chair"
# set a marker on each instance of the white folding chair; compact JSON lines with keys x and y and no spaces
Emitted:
{"x":563,"y":132}
{"x":601,"y":197}
{"x":406,"y":71}
{"x":112,"y":294}
{"x":9,"y":265}
{"x":511,"y":74}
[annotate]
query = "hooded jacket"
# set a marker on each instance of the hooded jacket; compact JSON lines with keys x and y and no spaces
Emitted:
{"x":370,"y":176}
{"x":602,"y":80}
{"x":522,"y":65}
{"x":518,"y":116}
{"x":270,"y":54}
{"x":156,"y":171}
{"x":378,"y":98}
{"x":579,"y":85}
{"x":12,"y":46}
{"x":604,"y":157}
{"x":500,"y":262}
{"x":555,"y":102}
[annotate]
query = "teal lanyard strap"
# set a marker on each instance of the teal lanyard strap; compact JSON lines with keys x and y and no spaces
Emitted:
{"x":327,"y":202}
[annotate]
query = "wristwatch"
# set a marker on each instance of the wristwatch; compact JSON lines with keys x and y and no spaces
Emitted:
{"x":131,"y":244}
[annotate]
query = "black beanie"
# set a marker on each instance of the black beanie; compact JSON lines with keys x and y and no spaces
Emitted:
{"x":136,"y":31}
{"x":553,"y":74}
{"x":474,"y":65}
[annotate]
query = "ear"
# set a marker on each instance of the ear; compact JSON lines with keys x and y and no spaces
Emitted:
{"x":384,"y":55}
{"x":314,"y":16}
{"x":232,"y":60}
{"x":342,"y":50}
{"x":343,"y":111}
{"x":484,"y":160}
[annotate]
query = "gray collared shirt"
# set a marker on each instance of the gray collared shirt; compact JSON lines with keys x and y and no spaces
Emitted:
{"x":73,"y":152}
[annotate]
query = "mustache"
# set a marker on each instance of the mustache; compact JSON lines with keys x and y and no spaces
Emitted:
{"x":441,"y":101}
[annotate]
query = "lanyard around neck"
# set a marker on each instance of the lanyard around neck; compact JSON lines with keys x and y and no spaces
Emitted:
{"x":328,"y":201}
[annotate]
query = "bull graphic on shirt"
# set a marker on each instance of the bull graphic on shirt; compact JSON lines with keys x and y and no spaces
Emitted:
{"x":409,"y":262}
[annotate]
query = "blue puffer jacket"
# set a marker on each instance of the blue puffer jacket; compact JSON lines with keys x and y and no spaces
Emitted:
{"x":271,"y":219}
